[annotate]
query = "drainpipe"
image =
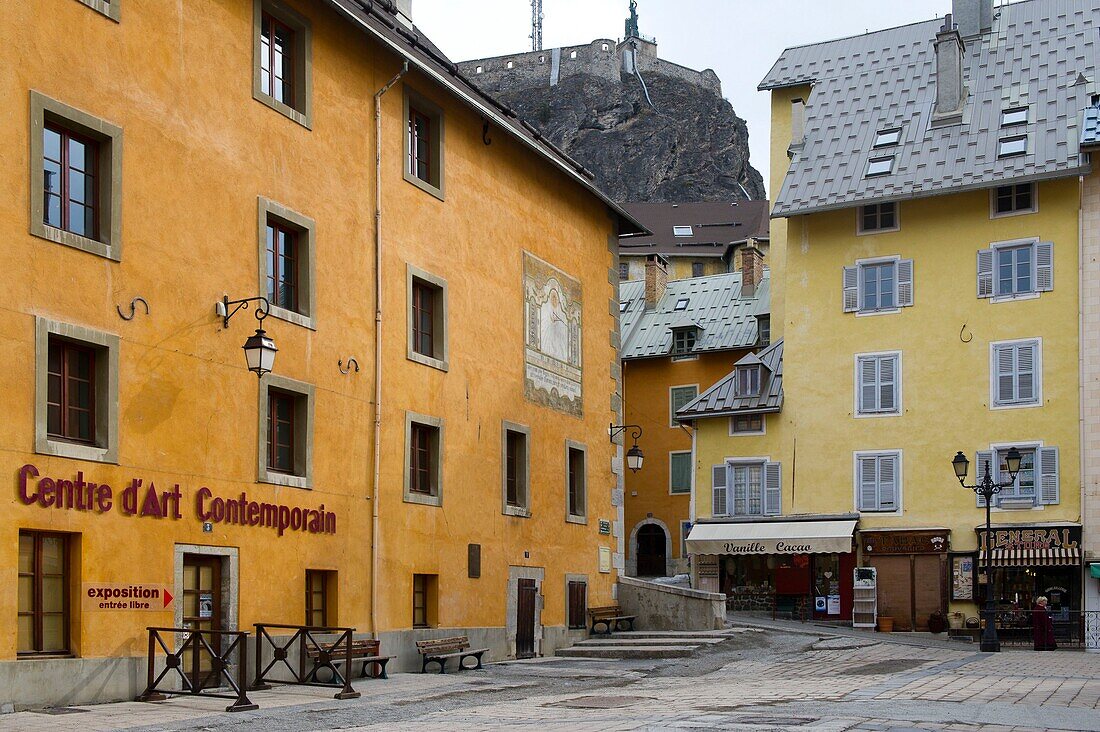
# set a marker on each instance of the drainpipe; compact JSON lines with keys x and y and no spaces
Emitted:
{"x":378,"y":344}
{"x":1081,"y":366}
{"x":638,"y":73}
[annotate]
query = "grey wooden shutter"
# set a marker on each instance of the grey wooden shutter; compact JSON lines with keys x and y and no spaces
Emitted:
{"x":1046,"y":464}
{"x":718,"y":486}
{"x":1044,"y":266}
{"x":868,"y":484}
{"x":868,"y":384}
{"x":887,"y":383}
{"x":985,"y":273}
{"x":1004,"y":364}
{"x":980,"y":460}
{"x":888,"y":482}
{"x":851,"y":289}
{"x":773,"y":489}
{"x":1025,"y":372}
{"x":905,"y":283}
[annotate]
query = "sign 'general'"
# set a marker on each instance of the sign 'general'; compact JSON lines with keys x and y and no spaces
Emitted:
{"x":1033,"y":538}
{"x":146,"y":501}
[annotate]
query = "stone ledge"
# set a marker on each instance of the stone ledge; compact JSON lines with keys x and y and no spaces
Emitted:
{"x":672,"y":589}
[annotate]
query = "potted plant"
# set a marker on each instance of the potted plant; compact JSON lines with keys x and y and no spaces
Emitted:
{"x":885,"y":624}
{"x":937,"y":622}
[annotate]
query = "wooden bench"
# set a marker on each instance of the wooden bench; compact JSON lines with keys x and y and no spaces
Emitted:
{"x":366,"y":650}
{"x":438,"y":650}
{"x":611,"y":617}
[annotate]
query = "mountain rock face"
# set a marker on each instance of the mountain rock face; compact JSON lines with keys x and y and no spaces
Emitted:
{"x":689,"y":145}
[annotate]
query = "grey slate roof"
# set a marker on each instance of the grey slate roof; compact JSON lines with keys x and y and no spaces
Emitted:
{"x":715,"y":227}
{"x":1033,"y":55}
{"x":726,"y":319}
{"x":721,"y":401}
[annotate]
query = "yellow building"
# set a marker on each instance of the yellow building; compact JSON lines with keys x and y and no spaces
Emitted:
{"x":928,"y":304}
{"x":678,"y":336}
{"x":429,"y":454}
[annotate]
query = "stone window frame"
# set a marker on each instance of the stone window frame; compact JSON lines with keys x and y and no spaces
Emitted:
{"x":106,"y":413}
{"x":576,"y":518}
{"x":409,"y":496}
{"x":411,"y":98}
{"x":108,"y":8}
{"x":302,"y":111}
{"x":524,"y":509}
{"x":108,"y":138}
{"x":440,"y":333}
{"x":307,"y":265}
{"x":303,"y":434}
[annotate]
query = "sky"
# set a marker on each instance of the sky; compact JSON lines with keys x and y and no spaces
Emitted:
{"x":739,"y":39}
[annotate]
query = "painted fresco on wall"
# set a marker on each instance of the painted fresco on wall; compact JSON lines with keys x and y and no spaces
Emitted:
{"x":552,"y":352}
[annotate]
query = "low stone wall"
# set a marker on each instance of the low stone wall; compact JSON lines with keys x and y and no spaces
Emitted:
{"x":666,"y":607}
{"x":56,"y":682}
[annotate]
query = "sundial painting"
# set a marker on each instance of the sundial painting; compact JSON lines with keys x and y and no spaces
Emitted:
{"x":552,"y":352}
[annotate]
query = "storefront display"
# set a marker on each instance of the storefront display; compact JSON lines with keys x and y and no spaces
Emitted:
{"x":912,"y":571}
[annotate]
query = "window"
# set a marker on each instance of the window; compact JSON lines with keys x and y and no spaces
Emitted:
{"x":624,"y":306}
{"x":878,"y":217}
{"x":763,"y":330}
{"x":572,"y":54}
{"x":624,"y":270}
{"x":682,"y":304}
{"x":510,"y":64}
{"x":577,"y":592}
{"x":1011,"y":146}
{"x":878,"y":481}
{"x":424,"y":600}
{"x":286,"y":414}
{"x":423,"y":144}
{"x":678,"y":398}
{"x":516,"y":464}
{"x":76,"y":375}
{"x":282,"y":266}
{"x":679,"y":471}
{"x":1014,"y":116}
{"x":427,"y":315}
{"x":287,"y":245}
{"x":577,"y":508}
{"x":282,"y":76}
{"x":747,"y":488}
{"x":77,"y":179}
{"x":317,"y":598}
{"x":43,"y":594}
{"x":1013,"y":199}
{"x":880,"y":166}
{"x":885,"y":138}
{"x":698,"y":269}
{"x":681,"y":231}
{"x":683,"y":341}
{"x":878,"y":384}
{"x":1035,"y":484}
{"x":479,"y":69}
{"x":1016,"y":371}
{"x":878,"y":286}
{"x":748,"y":381}
{"x":747,"y":424}
{"x":110,"y":8}
{"x":423,"y":459}
{"x":1020,"y":268}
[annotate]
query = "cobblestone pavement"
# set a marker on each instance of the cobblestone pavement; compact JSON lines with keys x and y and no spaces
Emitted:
{"x":773,"y":679}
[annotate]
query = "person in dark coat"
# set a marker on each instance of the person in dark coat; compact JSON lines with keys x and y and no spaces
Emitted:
{"x":1042,"y":626}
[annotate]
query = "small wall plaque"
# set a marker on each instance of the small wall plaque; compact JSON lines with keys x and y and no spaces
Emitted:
{"x":605,"y":526}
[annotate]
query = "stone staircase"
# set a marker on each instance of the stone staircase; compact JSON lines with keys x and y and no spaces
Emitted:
{"x":646,"y":644}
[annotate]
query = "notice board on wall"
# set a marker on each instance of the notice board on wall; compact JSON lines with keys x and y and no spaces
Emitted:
{"x":962,"y":577}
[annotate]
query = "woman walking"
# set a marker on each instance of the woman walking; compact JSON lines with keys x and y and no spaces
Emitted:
{"x":1042,"y":626}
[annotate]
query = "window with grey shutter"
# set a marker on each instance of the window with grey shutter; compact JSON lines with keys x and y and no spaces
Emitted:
{"x":1044,"y":266}
{"x":877,"y":479}
{"x":983,"y":463}
{"x":1016,"y":373}
{"x":718,"y":489}
{"x":905,"y":283}
{"x":1023,"y":489}
{"x":679,"y":397}
{"x":679,"y":472}
{"x":773,"y":489}
{"x":851,"y":289}
{"x":1011,"y":270}
{"x":878,"y":384}
{"x":878,"y":286}
{"x":1048,"y":475}
{"x":985,"y":273}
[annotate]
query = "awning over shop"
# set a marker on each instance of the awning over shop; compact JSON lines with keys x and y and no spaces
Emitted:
{"x":772,"y":537}
{"x":1094,"y":569}
{"x":1055,"y":556}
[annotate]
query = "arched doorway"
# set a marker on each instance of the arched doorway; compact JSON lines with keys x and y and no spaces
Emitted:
{"x":652,"y":542}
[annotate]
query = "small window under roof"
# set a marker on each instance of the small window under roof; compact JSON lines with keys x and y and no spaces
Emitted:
{"x":887,"y":137}
{"x":1010,"y":146}
{"x":623,"y":306}
{"x":880,"y":166}
{"x":1014,"y":116}
{"x":682,"y":231}
{"x":682,"y":304}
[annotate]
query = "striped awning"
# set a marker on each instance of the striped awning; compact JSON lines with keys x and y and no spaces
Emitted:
{"x":1055,"y":556}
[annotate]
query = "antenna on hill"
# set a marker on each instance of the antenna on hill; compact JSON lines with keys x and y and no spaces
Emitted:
{"x":536,"y":25}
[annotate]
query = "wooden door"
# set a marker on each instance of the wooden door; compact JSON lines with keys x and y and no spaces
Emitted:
{"x":525,"y":619}
{"x":202,"y":610}
{"x":927,"y":588}
{"x":895,"y":590}
{"x":651,"y":551}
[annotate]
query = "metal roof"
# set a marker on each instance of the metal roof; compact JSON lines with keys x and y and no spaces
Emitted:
{"x":721,"y":399}
{"x":714,"y":227}
{"x":1034,"y":55}
{"x":725,"y":319}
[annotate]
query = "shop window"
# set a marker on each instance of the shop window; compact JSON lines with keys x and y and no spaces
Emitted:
{"x":878,"y":481}
{"x":576,"y":483}
{"x":286,"y":416}
{"x":578,"y":604}
{"x":110,"y":8}
{"x":423,"y":459}
{"x":1016,"y":269}
{"x":746,"y":488}
{"x":77,"y":180}
{"x":747,"y":424}
{"x":287,"y":254}
{"x":423,"y":144}
{"x":1013,"y":199}
{"x":516,"y":461}
{"x":878,"y":286}
{"x":878,"y":384}
{"x":424,"y":600}
{"x":43,"y":593}
{"x":1016,"y":374}
{"x":319,"y":586}
{"x":679,"y":471}
{"x":427,"y":315}
{"x":678,"y":398}
{"x":282,"y":76}
{"x":877,"y":217}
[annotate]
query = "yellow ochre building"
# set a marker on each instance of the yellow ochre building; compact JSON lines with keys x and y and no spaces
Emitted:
{"x":429,"y":453}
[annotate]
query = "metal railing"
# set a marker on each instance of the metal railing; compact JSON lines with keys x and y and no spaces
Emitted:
{"x":325,"y":654}
{"x":201,"y":664}
{"x":1072,"y":628}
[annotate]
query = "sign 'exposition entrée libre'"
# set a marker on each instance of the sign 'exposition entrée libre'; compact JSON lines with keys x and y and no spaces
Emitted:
{"x":77,"y":494}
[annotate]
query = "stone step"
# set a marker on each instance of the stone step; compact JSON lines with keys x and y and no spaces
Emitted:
{"x":671,"y":641}
{"x":713,"y":635}
{"x":657,"y":651}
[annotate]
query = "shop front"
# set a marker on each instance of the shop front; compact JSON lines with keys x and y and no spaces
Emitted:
{"x":799,"y":568}
{"x":911,"y":571}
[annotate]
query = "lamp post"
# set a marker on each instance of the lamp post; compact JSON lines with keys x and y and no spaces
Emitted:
{"x":986,"y":487}
{"x":634,"y":456}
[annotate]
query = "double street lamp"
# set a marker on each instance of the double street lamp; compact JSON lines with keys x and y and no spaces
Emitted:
{"x":986,"y":487}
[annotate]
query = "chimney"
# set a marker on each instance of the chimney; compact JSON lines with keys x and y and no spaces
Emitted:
{"x":752,"y":269}
{"x":950,"y":93}
{"x":973,"y":16}
{"x":656,"y":280}
{"x":798,"y":122}
{"x":404,"y":12}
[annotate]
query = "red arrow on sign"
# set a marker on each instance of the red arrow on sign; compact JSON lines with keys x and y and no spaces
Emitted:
{"x":167,"y":597}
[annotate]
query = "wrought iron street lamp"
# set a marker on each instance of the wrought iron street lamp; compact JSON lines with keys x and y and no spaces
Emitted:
{"x":259,"y":349}
{"x":986,"y":487}
{"x":634,"y":456}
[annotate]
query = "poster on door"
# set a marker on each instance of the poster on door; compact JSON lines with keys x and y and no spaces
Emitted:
{"x":206,"y":605}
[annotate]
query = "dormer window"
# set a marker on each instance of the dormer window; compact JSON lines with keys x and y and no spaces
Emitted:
{"x":682,"y":304}
{"x":885,"y":138}
{"x":880,"y":166}
{"x":623,"y":306}
{"x":748,"y":380}
{"x":683,"y":341}
{"x":1011,"y":146}
{"x":1014,"y":116}
{"x":682,"y":231}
